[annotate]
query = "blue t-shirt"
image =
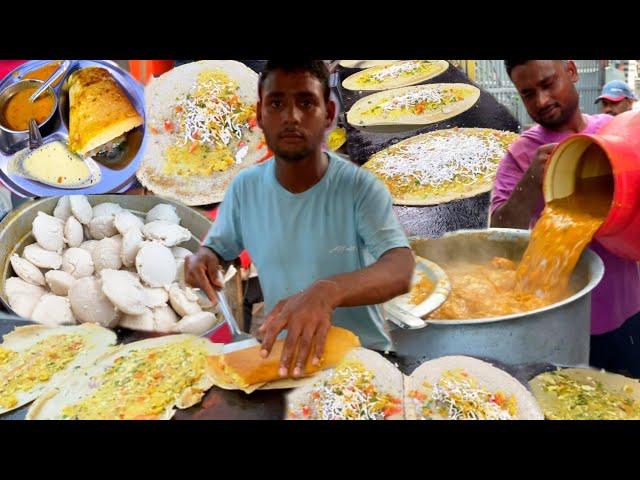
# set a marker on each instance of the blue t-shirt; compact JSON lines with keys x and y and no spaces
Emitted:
{"x":343,"y":223}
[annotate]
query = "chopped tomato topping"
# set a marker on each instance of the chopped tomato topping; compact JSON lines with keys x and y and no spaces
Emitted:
{"x":391,"y":410}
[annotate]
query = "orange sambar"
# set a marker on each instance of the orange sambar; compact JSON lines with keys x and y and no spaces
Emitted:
{"x":19,"y":110}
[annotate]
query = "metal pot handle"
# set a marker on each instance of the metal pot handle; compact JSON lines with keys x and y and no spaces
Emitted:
{"x":402,"y":318}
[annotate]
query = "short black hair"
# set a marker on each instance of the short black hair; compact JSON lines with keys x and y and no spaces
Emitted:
{"x":317,"y":68}
{"x":511,"y":64}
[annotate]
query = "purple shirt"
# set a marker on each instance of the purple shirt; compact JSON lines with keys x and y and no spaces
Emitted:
{"x":617,"y":297}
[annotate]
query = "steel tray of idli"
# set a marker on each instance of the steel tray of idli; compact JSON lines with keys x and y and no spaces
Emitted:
{"x":18,"y":230}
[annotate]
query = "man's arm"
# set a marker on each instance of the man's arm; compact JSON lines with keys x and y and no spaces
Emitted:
{"x":516,"y":211}
{"x":308,"y":314}
{"x":387,"y":278}
{"x":221,"y":246}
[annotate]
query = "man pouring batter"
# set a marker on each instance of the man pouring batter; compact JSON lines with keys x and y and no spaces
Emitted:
{"x":320,"y":230}
{"x":547,"y":88}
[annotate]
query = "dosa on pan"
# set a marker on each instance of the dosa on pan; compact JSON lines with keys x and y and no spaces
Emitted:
{"x":203,"y":130}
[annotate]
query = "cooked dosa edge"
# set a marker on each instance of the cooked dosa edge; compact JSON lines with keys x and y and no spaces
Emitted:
{"x":586,"y":394}
{"x":441,"y":166}
{"x":100,"y":112}
{"x":364,"y":63}
{"x":398,"y":74}
{"x":36,"y":357}
{"x":567,"y":225}
{"x":363,"y":386}
{"x":144,"y":380}
{"x":465,"y":388}
{"x":246,"y":367}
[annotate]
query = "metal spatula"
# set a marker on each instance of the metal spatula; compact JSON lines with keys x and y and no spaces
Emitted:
{"x":239,"y":339}
{"x":237,"y":335}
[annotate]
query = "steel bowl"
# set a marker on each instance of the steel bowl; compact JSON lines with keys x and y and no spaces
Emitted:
{"x":16,"y":136}
{"x":558,"y":333}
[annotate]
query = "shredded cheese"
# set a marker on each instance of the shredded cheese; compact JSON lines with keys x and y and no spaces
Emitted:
{"x":398,"y":69}
{"x":441,"y":159}
{"x":208,"y":115}
{"x":457,"y":396}
{"x":349,"y":394}
{"x":208,"y":124}
{"x":412,"y":99}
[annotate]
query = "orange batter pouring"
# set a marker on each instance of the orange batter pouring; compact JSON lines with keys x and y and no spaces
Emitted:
{"x":566,"y":227}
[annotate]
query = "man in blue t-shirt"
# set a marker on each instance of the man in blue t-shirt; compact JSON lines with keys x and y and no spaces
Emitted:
{"x":320,"y":230}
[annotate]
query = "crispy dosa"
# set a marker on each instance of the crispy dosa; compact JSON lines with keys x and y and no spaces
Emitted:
{"x":247,"y":370}
{"x":112,"y":389}
{"x":486,"y":376}
{"x":95,"y":342}
{"x":100,"y":111}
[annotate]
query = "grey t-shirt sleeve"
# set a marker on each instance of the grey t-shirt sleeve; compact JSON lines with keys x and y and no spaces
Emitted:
{"x":225,"y":236}
{"x":377,"y":225}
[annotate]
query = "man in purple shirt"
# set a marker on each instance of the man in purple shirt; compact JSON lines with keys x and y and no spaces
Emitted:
{"x":547,"y":88}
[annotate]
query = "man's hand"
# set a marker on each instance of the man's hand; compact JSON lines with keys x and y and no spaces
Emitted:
{"x":201,"y":271}
{"x":516,"y":211}
{"x":305,"y":315}
{"x":538,"y":166}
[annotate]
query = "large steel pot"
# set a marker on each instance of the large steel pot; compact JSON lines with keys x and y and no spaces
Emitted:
{"x":556,"y":334}
{"x":15,"y":228}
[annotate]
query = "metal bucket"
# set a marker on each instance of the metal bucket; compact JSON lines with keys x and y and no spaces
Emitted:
{"x":557,"y":334}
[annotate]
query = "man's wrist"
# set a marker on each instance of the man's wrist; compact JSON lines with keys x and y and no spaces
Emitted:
{"x":330,"y":291}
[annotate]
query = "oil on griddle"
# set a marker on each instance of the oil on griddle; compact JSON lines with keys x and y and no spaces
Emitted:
{"x":432,"y":221}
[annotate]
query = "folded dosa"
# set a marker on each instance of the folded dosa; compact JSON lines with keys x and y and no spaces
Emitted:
{"x":100,"y":111}
{"x":246,"y":367}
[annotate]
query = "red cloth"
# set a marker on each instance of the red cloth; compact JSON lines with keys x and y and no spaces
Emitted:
{"x":222,"y":334}
{"x":7,"y":65}
{"x":245,"y":259}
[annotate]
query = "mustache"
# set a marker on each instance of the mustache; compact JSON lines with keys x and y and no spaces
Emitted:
{"x":546,"y":110}
{"x":291,"y":132}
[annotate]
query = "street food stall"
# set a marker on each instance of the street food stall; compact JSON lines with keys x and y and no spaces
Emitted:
{"x":100,"y":323}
